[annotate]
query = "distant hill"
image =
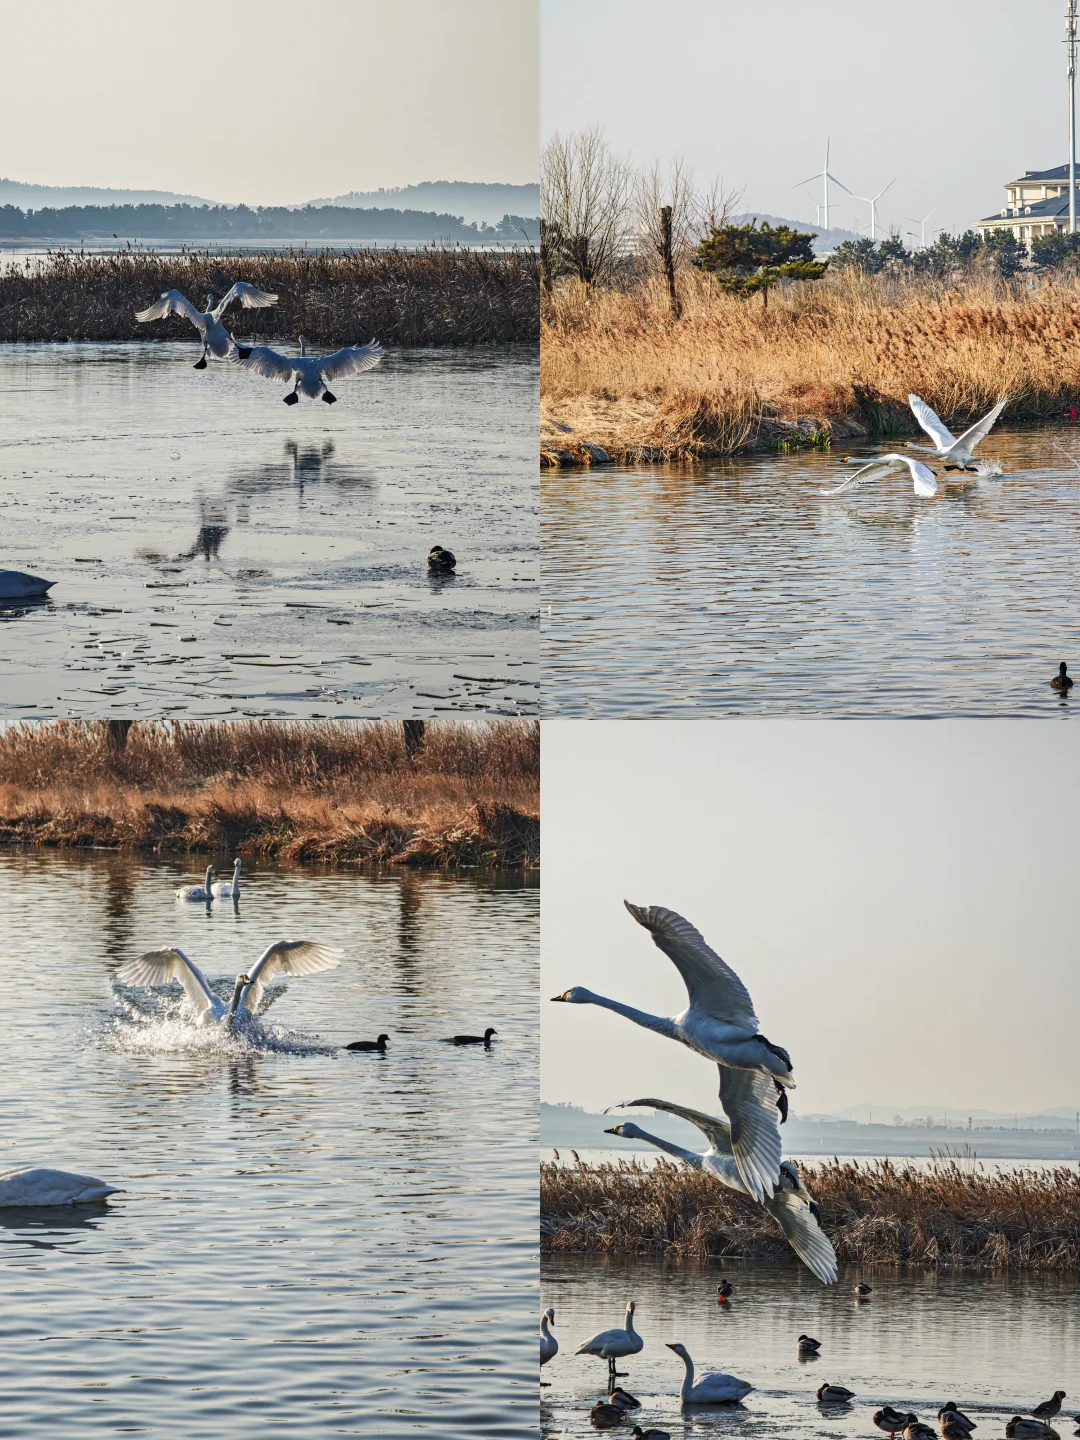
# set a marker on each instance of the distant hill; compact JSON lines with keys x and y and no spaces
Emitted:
{"x":59,"y":197}
{"x":826,"y":239}
{"x":481,"y":203}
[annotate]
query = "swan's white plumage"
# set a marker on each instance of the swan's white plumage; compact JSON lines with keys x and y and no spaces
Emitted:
{"x":288,"y":957}
{"x":614,"y":1343}
{"x":710,"y":982}
{"x":749,"y":1101}
{"x":312,"y":371}
{"x":158,"y":967}
{"x":216,"y":338}
{"x":228,"y":889}
{"x":32,"y":1185}
{"x":716,"y":1388}
{"x":948,"y":446}
{"x":198,"y":892}
{"x":15,"y":585}
{"x":549,"y":1346}
{"x":923,"y":479}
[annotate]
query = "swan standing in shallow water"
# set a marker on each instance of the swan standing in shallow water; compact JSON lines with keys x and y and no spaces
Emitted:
{"x":15,"y":585}
{"x":612,"y":1345}
{"x":205,"y":891}
{"x":284,"y":957}
{"x":790,"y":1205}
{"x":226,"y":889}
{"x":32,"y":1185}
{"x":720,"y":1024}
{"x":311,"y":372}
{"x":549,"y":1346}
{"x":714,"y":1389}
{"x":922,"y":477}
{"x":957,"y":453}
{"x":216,"y":339}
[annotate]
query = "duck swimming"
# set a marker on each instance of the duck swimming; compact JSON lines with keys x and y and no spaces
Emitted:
{"x":484,"y":1039}
{"x":724,"y":1292}
{"x":1061,"y":680}
{"x":440,"y":559}
{"x":808,"y":1345}
{"x":638,"y":1434}
{"x":863,"y":1292}
{"x":379,"y":1044}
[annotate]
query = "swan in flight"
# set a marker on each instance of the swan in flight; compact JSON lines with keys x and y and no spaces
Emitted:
{"x":790,"y":1205}
{"x":549,"y":1346}
{"x":32,"y":1185}
{"x":14,"y":585}
{"x":922,"y":477}
{"x":311,"y":372}
{"x":612,"y":1345}
{"x":714,"y":1389}
{"x":216,"y":339}
{"x":284,"y":957}
{"x":225,"y":889}
{"x":958,"y":453}
{"x":205,"y":891}
{"x":720,"y":1024}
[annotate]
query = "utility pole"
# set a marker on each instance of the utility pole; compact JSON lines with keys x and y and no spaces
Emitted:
{"x":1070,"y":47}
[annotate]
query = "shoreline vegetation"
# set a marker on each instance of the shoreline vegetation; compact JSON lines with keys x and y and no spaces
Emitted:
{"x":438,"y":794}
{"x":401,"y":297}
{"x":875,"y":1213}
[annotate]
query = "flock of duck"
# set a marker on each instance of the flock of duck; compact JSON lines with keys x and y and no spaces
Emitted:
{"x":745,"y":1153}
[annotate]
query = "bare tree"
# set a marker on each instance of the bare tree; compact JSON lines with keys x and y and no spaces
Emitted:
{"x":673,"y":217}
{"x":585,"y":192}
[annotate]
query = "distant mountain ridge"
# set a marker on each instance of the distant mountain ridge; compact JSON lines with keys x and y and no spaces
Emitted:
{"x":60,"y":197}
{"x":826,"y":239}
{"x":472,"y":200}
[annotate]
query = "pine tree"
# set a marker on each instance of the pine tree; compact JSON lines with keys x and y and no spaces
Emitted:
{"x":749,"y":258}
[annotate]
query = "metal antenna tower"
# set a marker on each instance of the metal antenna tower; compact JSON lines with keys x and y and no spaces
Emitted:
{"x":1070,"y":50}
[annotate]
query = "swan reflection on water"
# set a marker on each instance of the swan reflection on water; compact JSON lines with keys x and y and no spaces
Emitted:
{"x":303,"y":463}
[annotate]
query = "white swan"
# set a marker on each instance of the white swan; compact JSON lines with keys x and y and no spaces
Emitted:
{"x":922,"y":477}
{"x":714,"y":1389}
{"x":284,"y":957}
{"x":226,"y":888}
{"x":720,"y":1024}
{"x":216,"y":339}
{"x":612,"y":1345}
{"x":32,"y":1185}
{"x":957,"y":453}
{"x":14,"y":585}
{"x":791,"y":1205}
{"x":198,"y":892}
{"x":549,"y":1346}
{"x":312,"y":371}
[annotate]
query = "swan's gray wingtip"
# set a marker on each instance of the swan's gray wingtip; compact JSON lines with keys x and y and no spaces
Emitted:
{"x":641,"y":913}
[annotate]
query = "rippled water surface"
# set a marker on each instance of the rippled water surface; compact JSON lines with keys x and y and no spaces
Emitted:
{"x":307,"y":1243}
{"x":216,"y":552}
{"x":737,"y":589}
{"x":996,"y":1345}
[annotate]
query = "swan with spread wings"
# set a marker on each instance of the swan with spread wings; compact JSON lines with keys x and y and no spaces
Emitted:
{"x":216,"y":339}
{"x":311,"y":372}
{"x":957,"y":451}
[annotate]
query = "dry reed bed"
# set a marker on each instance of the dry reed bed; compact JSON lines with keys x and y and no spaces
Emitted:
{"x":402,"y":297}
{"x":879,"y":1212}
{"x":617,"y":371}
{"x":344,"y":791}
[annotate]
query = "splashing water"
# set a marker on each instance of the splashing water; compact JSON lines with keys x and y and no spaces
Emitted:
{"x":989,"y":469}
{"x":158,"y":1022}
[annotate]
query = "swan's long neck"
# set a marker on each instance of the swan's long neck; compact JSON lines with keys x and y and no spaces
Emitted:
{"x":690,"y":1156}
{"x":238,"y":988}
{"x":659,"y":1023}
{"x":209,"y":877}
{"x":630,"y":1324}
{"x":688,"y":1378}
{"x":303,"y":347}
{"x":544,"y":1328}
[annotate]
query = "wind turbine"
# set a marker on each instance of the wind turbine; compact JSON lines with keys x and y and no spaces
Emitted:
{"x":824,"y":175}
{"x":817,"y":208}
{"x":921,"y":224}
{"x":872,"y":202}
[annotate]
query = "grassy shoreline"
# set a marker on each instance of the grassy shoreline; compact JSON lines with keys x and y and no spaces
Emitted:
{"x":877,"y":1213}
{"x":623,"y":382}
{"x":341,"y":791}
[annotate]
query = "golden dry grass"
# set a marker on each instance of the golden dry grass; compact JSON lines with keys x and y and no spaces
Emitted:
{"x":847,"y":349}
{"x":309,"y":790}
{"x":878,"y":1212}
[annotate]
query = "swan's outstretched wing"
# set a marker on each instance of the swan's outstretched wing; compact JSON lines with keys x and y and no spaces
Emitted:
{"x":922,"y":476}
{"x":942,"y":437}
{"x":979,"y":431}
{"x":158,"y":967}
{"x":250,"y":296}
{"x":715,"y":1130}
{"x":267,"y":362}
{"x":749,"y":1101}
{"x":710,"y":982}
{"x":173,"y":303}
{"x":288,"y":957}
{"x":804,"y":1234}
{"x":351,"y":361}
{"x":872,"y":470}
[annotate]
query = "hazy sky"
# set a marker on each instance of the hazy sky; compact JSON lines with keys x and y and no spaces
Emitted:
{"x":899,"y":899}
{"x":954,"y":98}
{"x":266,"y":101}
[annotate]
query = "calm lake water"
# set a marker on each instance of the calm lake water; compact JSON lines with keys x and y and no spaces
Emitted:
{"x":735,"y":588}
{"x":995,"y":1345}
{"x":216,"y":552}
{"x":310,"y":1241}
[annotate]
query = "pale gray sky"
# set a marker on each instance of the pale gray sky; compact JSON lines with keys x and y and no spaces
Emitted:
{"x":266,"y":101}
{"x":897,"y":897}
{"x":954,"y":98}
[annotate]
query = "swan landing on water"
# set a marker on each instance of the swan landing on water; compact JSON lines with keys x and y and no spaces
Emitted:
{"x":957,"y":453}
{"x":32,"y":1185}
{"x":216,"y":339}
{"x":311,"y":372}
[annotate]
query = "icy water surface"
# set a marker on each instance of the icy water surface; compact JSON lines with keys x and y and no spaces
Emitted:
{"x":309,"y":1241}
{"x":997,"y":1345}
{"x":736,"y":588}
{"x":216,"y":552}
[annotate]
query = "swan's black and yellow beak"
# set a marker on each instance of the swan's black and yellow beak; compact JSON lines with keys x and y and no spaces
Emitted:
{"x":561,"y":997}
{"x":615,"y":1130}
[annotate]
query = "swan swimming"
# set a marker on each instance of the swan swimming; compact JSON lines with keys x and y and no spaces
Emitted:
{"x":31,"y":1185}
{"x":790,"y":1205}
{"x":720,"y":1024}
{"x":957,"y":453}
{"x":311,"y":372}
{"x":922,"y":477}
{"x":284,"y":957}
{"x":714,"y":1389}
{"x":216,"y":339}
{"x":225,"y":889}
{"x":14,"y":585}
{"x":202,"y":892}
{"x":612,"y":1345}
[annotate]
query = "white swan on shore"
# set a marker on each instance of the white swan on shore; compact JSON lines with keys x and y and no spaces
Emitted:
{"x":922,"y":477}
{"x":720,"y":1024}
{"x":32,"y":1185}
{"x":311,"y":372}
{"x":549,"y":1346}
{"x":226,"y":889}
{"x":614,"y":1344}
{"x":713,"y":1389}
{"x":958,"y":453}
{"x":198,"y":892}
{"x":284,"y":957}
{"x":791,"y":1204}
{"x":216,"y":339}
{"x":15,"y":585}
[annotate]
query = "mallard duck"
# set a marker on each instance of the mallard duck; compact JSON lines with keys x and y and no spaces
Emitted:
{"x":639,"y":1434}
{"x":863,"y":1292}
{"x":808,"y":1346}
{"x":440,"y":559}
{"x":954,"y":1429}
{"x":834,"y":1394}
{"x":1020,"y":1429}
{"x":916,"y":1430}
{"x":605,"y":1416}
{"x":1049,"y":1408}
{"x":724,"y":1292}
{"x":1061,"y":680}
{"x":891,"y":1420}
{"x":622,"y":1397}
{"x":949,"y":1408}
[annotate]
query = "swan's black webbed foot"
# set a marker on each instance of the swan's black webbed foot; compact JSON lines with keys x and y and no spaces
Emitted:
{"x":201,"y":363}
{"x":781,"y":1103}
{"x":330,"y":399}
{"x":292,"y":398}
